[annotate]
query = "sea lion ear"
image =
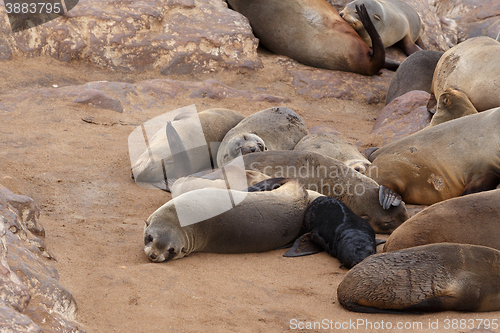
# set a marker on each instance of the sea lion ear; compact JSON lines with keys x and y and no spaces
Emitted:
{"x":147,"y":223}
{"x":387,"y":197}
{"x":377,"y":17}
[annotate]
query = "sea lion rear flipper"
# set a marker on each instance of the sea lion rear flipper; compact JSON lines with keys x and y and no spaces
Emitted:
{"x":267,"y":185}
{"x":387,"y":197}
{"x":303,"y":246}
{"x":380,"y":241}
{"x":180,"y":157}
{"x":408,"y":46}
{"x":391,"y":65}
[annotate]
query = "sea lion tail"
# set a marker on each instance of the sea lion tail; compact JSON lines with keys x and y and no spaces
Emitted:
{"x":377,"y":60}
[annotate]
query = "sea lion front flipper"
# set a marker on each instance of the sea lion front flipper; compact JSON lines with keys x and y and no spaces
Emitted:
{"x":377,"y":60}
{"x":267,"y":185}
{"x":481,"y":182}
{"x":180,"y":157}
{"x":303,"y":246}
{"x":387,"y":197}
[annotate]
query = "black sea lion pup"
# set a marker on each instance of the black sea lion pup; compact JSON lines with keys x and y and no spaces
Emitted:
{"x":336,"y":229}
{"x":435,"y":277}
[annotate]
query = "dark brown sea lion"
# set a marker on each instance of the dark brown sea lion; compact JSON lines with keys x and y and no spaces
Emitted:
{"x":313,"y":33}
{"x":435,"y":277}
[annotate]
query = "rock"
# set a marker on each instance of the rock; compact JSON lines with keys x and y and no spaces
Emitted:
{"x":403,"y":116}
{"x":320,"y":83}
{"x":31,"y":298}
{"x":98,"y":99}
{"x":175,"y":36}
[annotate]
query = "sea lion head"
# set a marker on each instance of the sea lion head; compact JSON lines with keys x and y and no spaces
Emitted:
{"x":246,"y":143}
{"x":452,"y":103}
{"x":164,"y":239}
{"x":359,"y":165}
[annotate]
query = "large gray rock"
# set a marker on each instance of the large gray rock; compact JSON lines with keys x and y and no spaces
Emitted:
{"x":31,"y":298}
{"x":175,"y":36}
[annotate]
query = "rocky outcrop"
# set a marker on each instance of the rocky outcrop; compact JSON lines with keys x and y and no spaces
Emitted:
{"x":175,"y":36}
{"x":31,"y":298}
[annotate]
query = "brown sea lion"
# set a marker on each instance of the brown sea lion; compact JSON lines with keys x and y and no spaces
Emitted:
{"x":225,"y":221}
{"x":276,"y":128}
{"x":472,"y":219}
{"x":452,"y":104}
{"x":395,"y":21}
{"x":331,"y":177}
{"x":414,"y":73}
{"x":471,"y":66}
{"x":331,"y":145}
{"x":435,"y":277}
{"x":313,"y":33}
{"x":458,"y":157}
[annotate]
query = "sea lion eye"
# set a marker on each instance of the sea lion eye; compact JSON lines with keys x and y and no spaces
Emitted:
{"x":171,"y":250}
{"x":148,"y":239}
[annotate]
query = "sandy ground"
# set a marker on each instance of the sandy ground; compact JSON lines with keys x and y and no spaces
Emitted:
{"x":93,"y":213}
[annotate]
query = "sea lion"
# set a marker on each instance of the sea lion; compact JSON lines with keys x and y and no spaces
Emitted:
{"x":331,"y":145}
{"x":336,"y":229}
{"x":452,"y":104}
{"x":331,"y":177}
{"x":454,"y":158}
{"x":262,"y":221}
{"x":313,"y":33}
{"x":435,"y":277}
{"x":471,"y":66}
{"x":395,"y":21}
{"x":215,"y":123}
{"x":276,"y":128}
{"x":472,"y":219}
{"x":414,"y":73}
